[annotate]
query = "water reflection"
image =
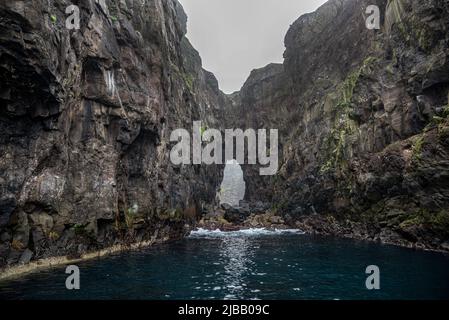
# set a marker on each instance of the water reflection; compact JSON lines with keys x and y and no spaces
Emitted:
{"x":246,"y":265}
{"x":236,"y":256}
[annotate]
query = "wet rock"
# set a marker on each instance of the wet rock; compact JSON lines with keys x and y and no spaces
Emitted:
{"x":26,"y":256}
{"x":13,"y":256}
{"x":236,"y":215}
{"x":214,"y":220}
{"x":38,"y":236}
{"x":226,"y":207}
{"x":268,"y":220}
{"x":445,"y":246}
{"x":21,"y":234}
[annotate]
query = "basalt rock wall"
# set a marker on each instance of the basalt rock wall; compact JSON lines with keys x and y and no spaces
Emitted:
{"x":363,"y":122}
{"x":85,"y":123}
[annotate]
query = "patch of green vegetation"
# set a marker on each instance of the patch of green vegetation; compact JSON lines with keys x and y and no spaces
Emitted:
{"x":445,"y":113}
{"x":344,"y":125}
{"x":114,"y":18}
{"x":348,"y":89}
{"x":114,"y":9}
{"x":439,"y":221}
{"x":129,"y":218}
{"x":439,"y":121}
{"x":435,"y":221}
{"x":411,"y":27}
{"x":425,"y":39}
{"x":417,"y":148}
{"x":390,"y":69}
{"x":351,"y":81}
{"x":327,"y":166}
{"x":202,"y":130}
{"x":187,"y":78}
{"x":443,"y":123}
{"x":415,"y":221}
{"x":82,"y":232}
{"x":53,"y":18}
{"x":394,"y":14}
{"x":221,"y":220}
{"x":436,"y":120}
{"x":337,"y":143}
{"x":79,"y":229}
{"x":418,"y":32}
{"x":174,"y":215}
{"x":53,"y":235}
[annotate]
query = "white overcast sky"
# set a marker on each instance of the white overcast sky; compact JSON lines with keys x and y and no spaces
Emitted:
{"x":236,"y":36}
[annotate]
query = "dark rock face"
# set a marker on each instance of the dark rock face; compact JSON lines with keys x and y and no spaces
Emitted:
{"x":85,"y":121}
{"x":363,"y":119}
{"x":264,"y":102}
{"x":236,"y":215}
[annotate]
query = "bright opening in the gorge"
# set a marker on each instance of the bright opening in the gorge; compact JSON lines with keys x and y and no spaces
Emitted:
{"x":232,"y":189}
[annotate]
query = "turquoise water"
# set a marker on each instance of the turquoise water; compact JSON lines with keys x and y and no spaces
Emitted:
{"x":248,"y":265}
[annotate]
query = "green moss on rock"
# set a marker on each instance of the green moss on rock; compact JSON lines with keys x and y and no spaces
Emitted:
{"x":417,"y":148}
{"x":437,"y":222}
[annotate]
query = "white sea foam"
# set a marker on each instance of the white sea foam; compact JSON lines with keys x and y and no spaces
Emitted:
{"x":253,"y":232}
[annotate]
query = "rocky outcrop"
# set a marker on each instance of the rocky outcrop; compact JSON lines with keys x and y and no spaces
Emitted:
{"x":245,"y":216}
{"x":85,"y":122}
{"x":363,"y":119}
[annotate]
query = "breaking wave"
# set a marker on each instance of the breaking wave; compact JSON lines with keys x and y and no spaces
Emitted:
{"x":253,"y":232}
